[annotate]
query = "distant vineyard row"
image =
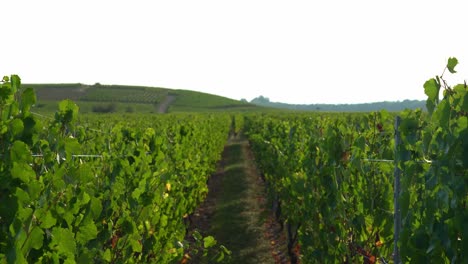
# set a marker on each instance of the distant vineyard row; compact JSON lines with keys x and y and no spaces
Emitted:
{"x":99,"y":93}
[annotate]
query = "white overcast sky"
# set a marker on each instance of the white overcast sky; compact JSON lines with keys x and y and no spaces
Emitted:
{"x":336,"y":51}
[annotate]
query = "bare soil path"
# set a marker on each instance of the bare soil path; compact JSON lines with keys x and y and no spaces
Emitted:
{"x":236,"y":211}
{"x":164,"y":105}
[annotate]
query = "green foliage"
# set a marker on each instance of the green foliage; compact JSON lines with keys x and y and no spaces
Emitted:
{"x":125,"y":203}
{"x":336,"y":204}
{"x":67,"y":113}
{"x":204,"y":250}
{"x":452,"y":62}
{"x":109,"y":108}
{"x":332,"y":177}
{"x":434,"y":209}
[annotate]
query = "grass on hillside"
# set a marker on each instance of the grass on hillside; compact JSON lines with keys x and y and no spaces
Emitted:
{"x":204,"y":100}
{"x":133,"y":99}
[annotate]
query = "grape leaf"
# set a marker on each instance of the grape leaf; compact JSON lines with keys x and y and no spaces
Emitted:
{"x":68,"y":111}
{"x":63,"y":241}
{"x":48,"y":220}
{"x":23,"y":172}
{"x":5,"y":94}
{"x":208,"y":242}
{"x":36,"y":238}
{"x":95,"y":207}
{"x":430,"y":105}
{"x":72,"y":147}
{"x":87,"y":232}
{"x":452,"y":62}
{"x":20,"y":152}
{"x":431,"y":89}
{"x":136,"y":245}
{"x":28,"y":99}
{"x":16,"y":127}
{"x":35,"y":188}
{"x":107,"y":255}
{"x":15,"y":83}
{"x":22,"y":196}
{"x":442,"y":114}
{"x":464,"y":105}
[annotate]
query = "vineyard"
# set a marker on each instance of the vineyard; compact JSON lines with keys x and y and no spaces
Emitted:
{"x":91,"y":190}
{"x":346,"y":188}
{"x":140,"y":99}
{"x":331,"y":178}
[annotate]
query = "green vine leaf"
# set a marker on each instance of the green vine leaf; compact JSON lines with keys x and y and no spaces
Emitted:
{"x":87,"y":232}
{"x":36,"y":238}
{"x":23,"y":172}
{"x":63,"y":241}
{"x":208,"y":242}
{"x":15,"y":83}
{"x":20,"y":152}
{"x":431,"y":89}
{"x":442,"y":114}
{"x":28,"y":99}
{"x":452,"y":62}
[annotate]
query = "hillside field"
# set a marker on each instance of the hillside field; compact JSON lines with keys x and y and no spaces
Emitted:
{"x":120,"y":98}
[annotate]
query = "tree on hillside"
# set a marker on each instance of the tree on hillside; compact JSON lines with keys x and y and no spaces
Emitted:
{"x":261,"y":100}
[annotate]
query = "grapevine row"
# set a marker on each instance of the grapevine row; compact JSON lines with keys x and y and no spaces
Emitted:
{"x":331,"y":179}
{"x":128,"y":204}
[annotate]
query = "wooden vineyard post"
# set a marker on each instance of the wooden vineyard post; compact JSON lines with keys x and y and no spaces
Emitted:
{"x":396,"y":195}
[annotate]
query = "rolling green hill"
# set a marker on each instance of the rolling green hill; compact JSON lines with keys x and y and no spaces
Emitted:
{"x":120,"y":98}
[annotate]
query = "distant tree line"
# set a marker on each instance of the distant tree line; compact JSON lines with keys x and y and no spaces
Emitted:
{"x":364,"y":107}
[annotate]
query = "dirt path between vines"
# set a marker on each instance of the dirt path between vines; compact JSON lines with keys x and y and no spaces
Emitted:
{"x":236,"y":211}
{"x":164,"y":105}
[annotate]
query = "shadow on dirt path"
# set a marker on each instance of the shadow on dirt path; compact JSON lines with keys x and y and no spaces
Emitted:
{"x":236,"y":211}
